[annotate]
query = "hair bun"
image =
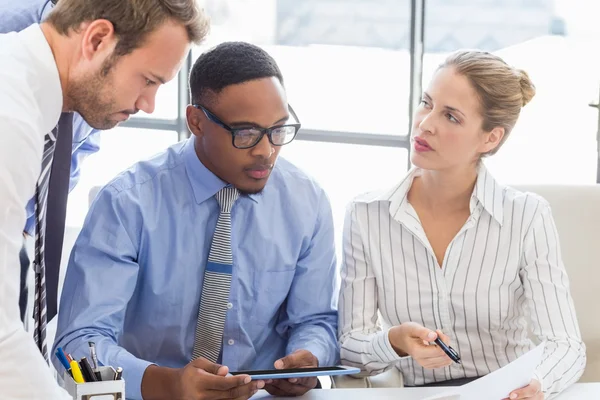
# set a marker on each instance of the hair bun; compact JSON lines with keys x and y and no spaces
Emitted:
{"x":527,"y":87}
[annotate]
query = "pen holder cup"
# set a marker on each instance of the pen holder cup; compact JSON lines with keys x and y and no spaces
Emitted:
{"x":107,"y":389}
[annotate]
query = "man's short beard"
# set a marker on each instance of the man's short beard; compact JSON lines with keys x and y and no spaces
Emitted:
{"x":85,"y":96}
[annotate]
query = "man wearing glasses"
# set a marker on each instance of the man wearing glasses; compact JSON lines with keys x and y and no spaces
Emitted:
{"x":212,"y":253}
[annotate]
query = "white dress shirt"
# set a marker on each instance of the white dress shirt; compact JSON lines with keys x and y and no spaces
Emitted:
{"x":30,"y":105}
{"x":502,"y":274}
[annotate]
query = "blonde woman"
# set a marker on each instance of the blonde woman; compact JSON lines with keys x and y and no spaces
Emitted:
{"x":450,"y":252}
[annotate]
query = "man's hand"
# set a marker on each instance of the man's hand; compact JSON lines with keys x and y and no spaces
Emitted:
{"x":414,"y":340}
{"x":533,"y":391}
{"x":293,"y":386}
{"x":199,"y":380}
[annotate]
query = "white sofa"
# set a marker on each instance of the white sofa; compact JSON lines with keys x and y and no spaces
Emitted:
{"x":576,"y":211}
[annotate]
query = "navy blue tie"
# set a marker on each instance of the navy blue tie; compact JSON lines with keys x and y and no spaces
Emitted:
{"x":58,"y":193}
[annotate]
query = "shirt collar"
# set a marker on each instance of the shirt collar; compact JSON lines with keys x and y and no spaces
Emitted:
{"x":489,"y":193}
{"x":204,"y":183}
{"x":397,"y":196}
{"x":486,"y":192}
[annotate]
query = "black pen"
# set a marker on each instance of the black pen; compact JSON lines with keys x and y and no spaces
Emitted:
{"x":450,"y":352}
{"x":87,"y":371}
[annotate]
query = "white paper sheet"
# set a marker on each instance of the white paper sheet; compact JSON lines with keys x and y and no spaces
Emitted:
{"x":498,"y":384}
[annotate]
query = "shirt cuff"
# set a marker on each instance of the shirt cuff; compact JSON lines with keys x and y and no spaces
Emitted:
{"x":30,"y":227}
{"x":133,"y":372}
{"x":382,"y":348}
{"x":316,"y":349}
{"x":537,"y":377}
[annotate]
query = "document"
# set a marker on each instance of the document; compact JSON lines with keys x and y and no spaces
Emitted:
{"x":498,"y":384}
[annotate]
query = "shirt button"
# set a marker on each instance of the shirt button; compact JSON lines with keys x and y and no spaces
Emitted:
{"x":229,"y":305}
{"x":231,"y":342}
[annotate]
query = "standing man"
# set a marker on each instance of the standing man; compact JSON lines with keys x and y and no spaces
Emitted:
{"x":104,"y":60}
{"x":14,"y":17}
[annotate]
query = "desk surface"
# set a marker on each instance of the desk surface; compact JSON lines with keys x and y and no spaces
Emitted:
{"x":579,"y":391}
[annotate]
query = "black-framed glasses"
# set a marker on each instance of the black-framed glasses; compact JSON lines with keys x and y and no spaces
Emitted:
{"x":245,"y":138}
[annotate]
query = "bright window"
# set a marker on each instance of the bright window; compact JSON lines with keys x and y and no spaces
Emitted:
{"x":347,"y":70}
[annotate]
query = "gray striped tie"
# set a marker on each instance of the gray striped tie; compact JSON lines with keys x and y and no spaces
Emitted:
{"x":41,"y":194}
{"x":217,"y":281}
{"x":41,"y":197}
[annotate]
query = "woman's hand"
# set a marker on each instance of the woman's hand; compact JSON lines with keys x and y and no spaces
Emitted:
{"x":533,"y":391}
{"x":415,"y":340}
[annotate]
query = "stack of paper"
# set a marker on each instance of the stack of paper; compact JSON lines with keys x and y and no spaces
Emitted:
{"x":499,"y":384}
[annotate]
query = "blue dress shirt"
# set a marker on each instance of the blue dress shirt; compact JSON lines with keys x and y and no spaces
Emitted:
{"x":134,"y":279}
{"x":16,"y":16}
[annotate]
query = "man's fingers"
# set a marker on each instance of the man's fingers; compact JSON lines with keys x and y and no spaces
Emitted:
{"x":309,"y":383}
{"x":215,"y":382}
{"x":298,"y":359}
{"x":208,"y":366}
{"x":289,"y":361}
{"x":284,"y":388}
{"x":244,"y":391}
{"x":274,"y":390}
{"x":283,"y":385}
{"x":246,"y":397}
{"x":240,"y":392}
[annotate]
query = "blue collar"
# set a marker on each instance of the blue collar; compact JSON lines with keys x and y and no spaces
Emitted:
{"x":204,"y":183}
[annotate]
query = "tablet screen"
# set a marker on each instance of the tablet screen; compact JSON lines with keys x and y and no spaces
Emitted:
{"x":287,"y":371}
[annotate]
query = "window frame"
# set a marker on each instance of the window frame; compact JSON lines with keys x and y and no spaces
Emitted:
{"x":417,"y":46}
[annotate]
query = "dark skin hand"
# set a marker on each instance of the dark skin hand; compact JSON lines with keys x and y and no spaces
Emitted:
{"x":199,"y":380}
{"x":293,"y":386}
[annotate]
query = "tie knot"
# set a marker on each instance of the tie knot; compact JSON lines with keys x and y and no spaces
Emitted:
{"x":226,"y":197}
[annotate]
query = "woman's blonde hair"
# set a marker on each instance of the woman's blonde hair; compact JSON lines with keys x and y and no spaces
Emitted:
{"x":502,"y":89}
